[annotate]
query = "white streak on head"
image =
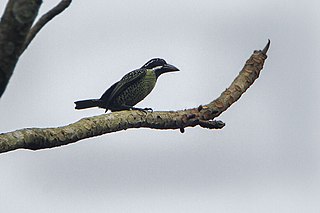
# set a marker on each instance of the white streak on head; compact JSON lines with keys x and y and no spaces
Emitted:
{"x":156,"y":68}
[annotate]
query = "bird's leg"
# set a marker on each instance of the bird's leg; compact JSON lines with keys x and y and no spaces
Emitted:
{"x":148,"y":109}
{"x":126,"y":107}
{"x":144,"y":109}
{"x":120,"y":108}
{"x":141,"y":109}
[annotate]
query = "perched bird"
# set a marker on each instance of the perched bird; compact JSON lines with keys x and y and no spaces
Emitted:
{"x":131,"y":89}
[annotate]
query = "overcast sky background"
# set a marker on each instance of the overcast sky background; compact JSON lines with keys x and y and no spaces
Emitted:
{"x":266,"y":159}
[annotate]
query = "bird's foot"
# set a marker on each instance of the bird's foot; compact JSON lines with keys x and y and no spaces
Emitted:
{"x":145,"y":110}
{"x":148,"y":109}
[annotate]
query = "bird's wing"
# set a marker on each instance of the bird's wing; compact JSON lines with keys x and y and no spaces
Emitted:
{"x":128,"y":79}
{"x":106,"y":94}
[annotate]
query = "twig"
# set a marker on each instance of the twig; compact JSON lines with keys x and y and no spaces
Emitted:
{"x":59,"y":8}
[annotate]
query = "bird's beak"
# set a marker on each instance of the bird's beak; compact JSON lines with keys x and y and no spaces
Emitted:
{"x":169,"y":68}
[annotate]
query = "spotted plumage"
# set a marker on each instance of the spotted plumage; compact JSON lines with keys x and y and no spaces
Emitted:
{"x":131,"y":89}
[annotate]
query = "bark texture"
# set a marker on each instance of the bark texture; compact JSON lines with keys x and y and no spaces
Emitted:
{"x":15,"y":24}
{"x":16,"y":32}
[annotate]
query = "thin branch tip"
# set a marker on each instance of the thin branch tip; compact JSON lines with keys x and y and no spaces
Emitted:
{"x":266,"y":48}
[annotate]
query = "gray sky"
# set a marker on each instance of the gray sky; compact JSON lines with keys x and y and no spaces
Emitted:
{"x":266,"y":159}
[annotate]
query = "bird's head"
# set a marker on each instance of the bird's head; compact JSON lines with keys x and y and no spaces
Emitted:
{"x":159,"y":66}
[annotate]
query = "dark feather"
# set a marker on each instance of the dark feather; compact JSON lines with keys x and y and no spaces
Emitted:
{"x":127,"y":80}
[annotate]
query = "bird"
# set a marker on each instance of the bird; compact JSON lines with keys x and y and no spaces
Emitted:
{"x":131,"y":88}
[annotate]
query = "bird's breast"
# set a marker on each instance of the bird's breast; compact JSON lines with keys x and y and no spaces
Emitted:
{"x":137,"y":91}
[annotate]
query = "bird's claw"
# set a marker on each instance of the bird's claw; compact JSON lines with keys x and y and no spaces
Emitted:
{"x":148,"y":109}
{"x":145,"y":110}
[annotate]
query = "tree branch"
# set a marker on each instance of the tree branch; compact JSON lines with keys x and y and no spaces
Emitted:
{"x":16,"y":32}
{"x":41,"y":138}
{"x":14,"y":27}
{"x":59,"y":8}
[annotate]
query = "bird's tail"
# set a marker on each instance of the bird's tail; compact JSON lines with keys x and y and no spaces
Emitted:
{"x":83,"y":104}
